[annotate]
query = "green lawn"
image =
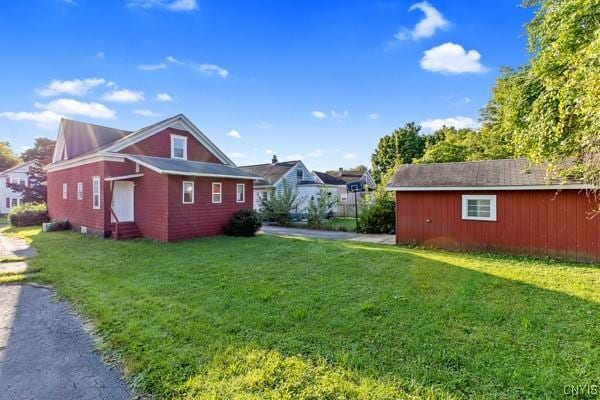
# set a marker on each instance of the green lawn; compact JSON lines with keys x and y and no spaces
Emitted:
{"x":276,"y":318}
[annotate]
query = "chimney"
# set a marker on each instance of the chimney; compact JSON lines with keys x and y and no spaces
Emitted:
{"x":274,"y":160}
{"x":340,"y":171}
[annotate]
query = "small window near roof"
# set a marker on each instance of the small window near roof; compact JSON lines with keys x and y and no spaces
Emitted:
{"x":188,"y":192}
{"x":240,"y":195}
{"x":216,"y":192}
{"x":479,"y":207}
{"x":179,"y":147}
{"x":79,"y":190}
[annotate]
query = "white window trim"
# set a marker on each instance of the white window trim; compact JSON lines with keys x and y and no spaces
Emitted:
{"x":220,"y":192}
{"x":184,"y":138}
{"x":65,"y":191}
{"x":183,"y":192}
{"x":79,"y":190}
{"x":490,"y":197}
{"x":243,"y":186}
{"x":94,"y":194}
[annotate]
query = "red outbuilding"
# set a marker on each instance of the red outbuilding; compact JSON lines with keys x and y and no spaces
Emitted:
{"x":166,"y":181}
{"x":499,"y":205}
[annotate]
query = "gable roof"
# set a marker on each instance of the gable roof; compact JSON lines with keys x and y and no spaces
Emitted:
{"x":270,"y":173}
{"x":173,"y":166}
{"x":509,"y":174}
{"x":329,"y":179}
{"x":21,"y":165}
{"x":80,"y":138}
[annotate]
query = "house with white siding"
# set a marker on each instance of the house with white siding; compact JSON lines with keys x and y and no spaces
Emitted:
{"x":16,"y":174}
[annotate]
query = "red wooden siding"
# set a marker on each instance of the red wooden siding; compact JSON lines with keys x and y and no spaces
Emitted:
{"x":159,"y":145}
{"x":535,"y":223}
{"x":203,"y":218}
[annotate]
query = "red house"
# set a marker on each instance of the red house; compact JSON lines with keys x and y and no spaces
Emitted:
{"x":166,"y":181}
{"x":500,"y":205}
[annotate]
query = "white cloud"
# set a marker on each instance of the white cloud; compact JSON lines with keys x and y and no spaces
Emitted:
{"x":124,"y":96}
{"x":152,"y":67}
{"x":349,"y":156}
{"x":146,"y":113}
{"x":264,"y":125}
{"x":374,"y":116}
{"x":171,"y":5}
{"x":319,"y":114}
{"x":467,"y":100}
{"x":173,"y":60}
{"x":426,"y":27}
{"x":269,"y":151}
{"x":100,"y":55}
{"x":75,"y":107}
{"x":453,"y":59}
{"x":75,"y":87}
{"x":164,"y":97}
{"x":212,"y":69}
{"x":234,"y":134}
{"x":44,"y":119}
{"x":339,"y":115}
{"x":315,"y":153}
{"x":459,"y":122}
{"x":235,"y":155}
{"x":292,"y":157}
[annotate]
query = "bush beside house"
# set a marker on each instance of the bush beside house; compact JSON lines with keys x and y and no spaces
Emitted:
{"x":28,"y":214}
{"x":245,"y":222}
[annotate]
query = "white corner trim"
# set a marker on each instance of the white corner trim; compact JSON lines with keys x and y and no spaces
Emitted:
{"x":483,"y":188}
{"x":493,"y":206}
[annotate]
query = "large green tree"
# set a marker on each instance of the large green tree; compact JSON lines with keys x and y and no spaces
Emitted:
{"x":7,"y":157}
{"x":400,"y":147}
{"x":549,"y":108}
{"x":42,"y":150}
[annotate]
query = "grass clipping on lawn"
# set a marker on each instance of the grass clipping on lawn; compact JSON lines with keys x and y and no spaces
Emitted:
{"x":284,"y":318}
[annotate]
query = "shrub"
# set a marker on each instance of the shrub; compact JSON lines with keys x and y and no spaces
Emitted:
{"x":60,"y":224}
{"x":28,"y":214}
{"x":245,"y":222}
{"x":279,"y":205}
{"x":379,"y":217}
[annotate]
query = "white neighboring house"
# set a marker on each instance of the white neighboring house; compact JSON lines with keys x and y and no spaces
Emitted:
{"x":343,"y":178}
{"x":291,"y":173}
{"x":16,"y":174}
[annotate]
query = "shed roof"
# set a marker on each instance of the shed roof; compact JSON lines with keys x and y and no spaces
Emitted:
{"x":498,"y":174}
{"x":173,"y":166}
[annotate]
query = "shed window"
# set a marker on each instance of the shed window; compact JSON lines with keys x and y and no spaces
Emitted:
{"x":479,"y":207}
{"x":216,"y":192}
{"x":65,"y":190}
{"x":240,"y":193}
{"x":188,"y":192}
{"x":179,"y":147}
{"x":79,"y":190}
{"x":96,"y":192}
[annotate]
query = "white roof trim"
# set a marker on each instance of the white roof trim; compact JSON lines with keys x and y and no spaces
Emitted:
{"x":91,"y":158}
{"x":178,"y":122}
{"x":60,"y":144}
{"x":481,"y":188}
{"x":12,"y":169}
{"x":170,"y":172}
{"x":124,"y":177}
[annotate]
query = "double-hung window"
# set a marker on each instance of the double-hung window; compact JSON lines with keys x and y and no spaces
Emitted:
{"x":65,"y":191}
{"x":188,"y":192}
{"x":479,"y":207}
{"x":240,"y":193}
{"x":96,"y":192}
{"x":179,"y":147}
{"x":79,"y":190}
{"x":217,"y":194}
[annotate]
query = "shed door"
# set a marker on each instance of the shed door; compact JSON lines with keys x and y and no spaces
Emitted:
{"x":122,"y":202}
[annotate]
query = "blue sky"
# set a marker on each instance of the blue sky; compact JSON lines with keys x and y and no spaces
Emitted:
{"x":317,"y":80}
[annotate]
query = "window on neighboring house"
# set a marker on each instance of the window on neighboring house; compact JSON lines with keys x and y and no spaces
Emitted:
{"x":8,"y":202}
{"x":479,"y":207}
{"x":65,"y":191}
{"x":22,"y":182}
{"x":7,"y":181}
{"x":240,"y":195}
{"x":188,"y":192}
{"x":14,"y":202}
{"x":96,"y":192}
{"x":179,"y":147}
{"x":216,"y":192}
{"x":299,"y":174}
{"x":79,"y":190}
{"x":264,"y":195}
{"x":344,"y":197}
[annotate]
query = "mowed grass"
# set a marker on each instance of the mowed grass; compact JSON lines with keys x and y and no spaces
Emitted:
{"x":279,"y":318}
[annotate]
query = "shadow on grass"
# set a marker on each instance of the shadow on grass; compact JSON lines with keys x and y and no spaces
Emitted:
{"x":271,"y":317}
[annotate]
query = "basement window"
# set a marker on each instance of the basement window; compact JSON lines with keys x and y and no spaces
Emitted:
{"x":479,"y":207}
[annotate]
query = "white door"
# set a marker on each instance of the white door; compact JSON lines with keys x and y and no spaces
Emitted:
{"x":122,"y":201}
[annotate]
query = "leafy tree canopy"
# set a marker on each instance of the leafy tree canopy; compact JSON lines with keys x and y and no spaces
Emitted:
{"x":42,"y":150}
{"x":7,"y":157}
